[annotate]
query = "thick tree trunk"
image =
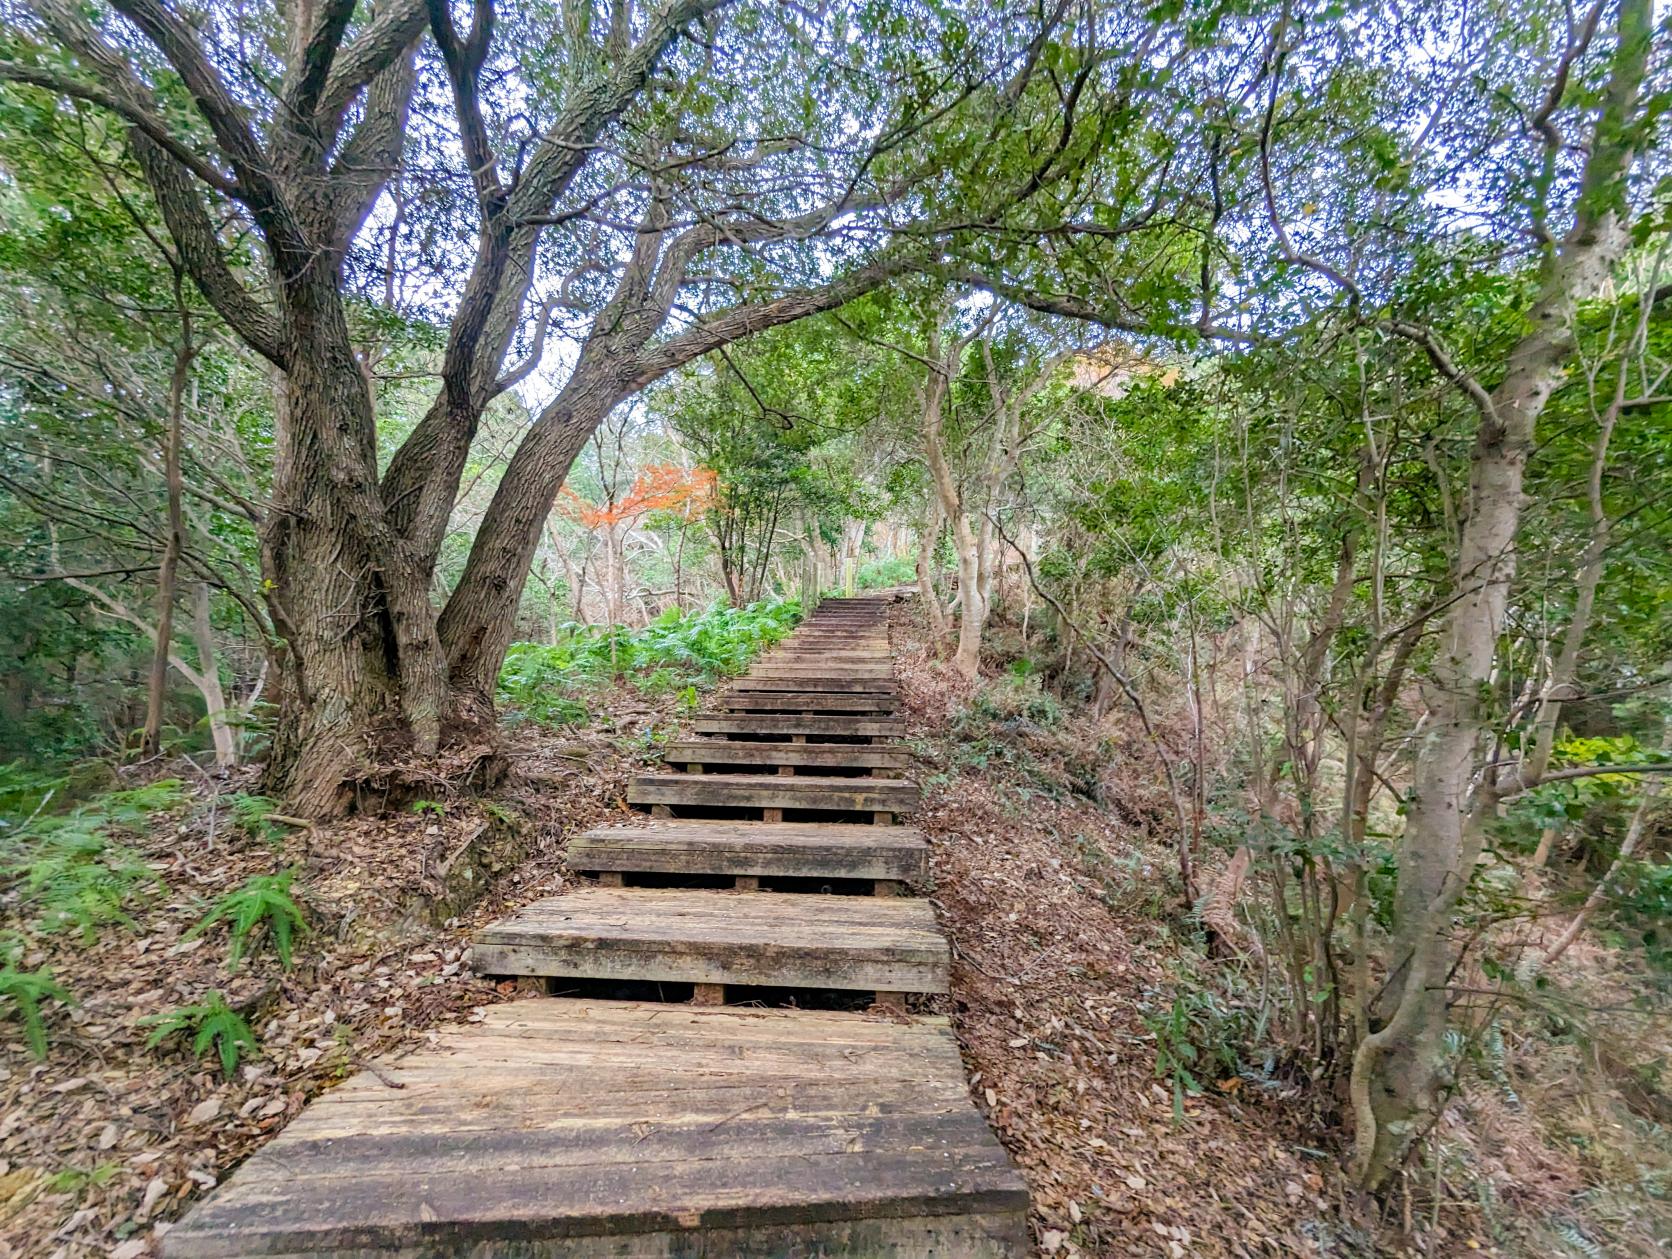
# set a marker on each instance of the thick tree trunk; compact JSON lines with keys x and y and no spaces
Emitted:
{"x":364,"y":671}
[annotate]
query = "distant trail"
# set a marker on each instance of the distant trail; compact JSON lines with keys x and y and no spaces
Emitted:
{"x":570,"y":1126}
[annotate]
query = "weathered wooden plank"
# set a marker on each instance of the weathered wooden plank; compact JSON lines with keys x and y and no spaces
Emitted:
{"x":577,"y":1157}
{"x":810,"y":684}
{"x":773,"y":791}
{"x":855,"y":726}
{"x":810,"y":702}
{"x":848,"y":942}
{"x":786,"y":849}
{"x":827,"y":755}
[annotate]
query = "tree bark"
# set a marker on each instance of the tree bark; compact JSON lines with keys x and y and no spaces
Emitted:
{"x":150,"y":743}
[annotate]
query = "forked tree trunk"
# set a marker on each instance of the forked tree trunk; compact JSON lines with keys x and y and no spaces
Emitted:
{"x":365,"y":676}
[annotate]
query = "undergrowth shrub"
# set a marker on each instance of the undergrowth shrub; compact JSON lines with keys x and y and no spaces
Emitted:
{"x":676,"y":652}
{"x":70,"y":868}
{"x":262,"y":905}
{"x":885,"y":574}
{"x":210,"y":1025}
{"x":23,"y":993}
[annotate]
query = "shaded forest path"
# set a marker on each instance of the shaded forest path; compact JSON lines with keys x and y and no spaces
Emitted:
{"x":773,"y":870}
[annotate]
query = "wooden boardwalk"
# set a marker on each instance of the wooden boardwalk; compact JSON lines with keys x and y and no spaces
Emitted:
{"x":702,"y":1124}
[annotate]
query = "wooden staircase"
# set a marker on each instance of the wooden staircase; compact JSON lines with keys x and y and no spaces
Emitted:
{"x":571,"y":1126}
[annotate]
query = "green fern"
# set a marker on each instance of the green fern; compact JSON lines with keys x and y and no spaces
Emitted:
{"x":22,"y":992}
{"x":211,"y":1024}
{"x":77,"y":878}
{"x":263,"y":902}
{"x":253,"y":816}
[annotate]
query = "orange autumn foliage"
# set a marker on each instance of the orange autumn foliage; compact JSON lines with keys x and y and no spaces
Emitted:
{"x":659,"y":487}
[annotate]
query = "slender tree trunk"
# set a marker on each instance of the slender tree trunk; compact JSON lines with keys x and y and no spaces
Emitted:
{"x":928,"y":542}
{"x":221,"y":730}
{"x":1401,"y":1072}
{"x":156,"y":691}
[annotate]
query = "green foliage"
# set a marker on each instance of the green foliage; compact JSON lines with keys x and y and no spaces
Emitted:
{"x":1640,"y":898}
{"x":675,"y":652}
{"x":433,"y":808}
{"x":24,"y":792}
{"x":78,"y":1180}
{"x":1017,"y":699}
{"x":885,"y":573}
{"x":253,"y":816}
{"x":69,"y":868}
{"x":263,"y":903}
{"x":211,"y":1024}
{"x":22,"y":993}
{"x":1197,"y":1032}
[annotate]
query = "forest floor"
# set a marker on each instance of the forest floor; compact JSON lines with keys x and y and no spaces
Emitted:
{"x":108,"y":1139}
{"x":1077,"y":969}
{"x":1053,"y":872}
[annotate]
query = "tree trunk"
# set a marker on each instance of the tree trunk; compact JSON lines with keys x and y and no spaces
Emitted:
{"x":928,"y":542}
{"x":156,"y":691}
{"x":1401,"y":1073}
{"x":221,"y":730}
{"x":364,"y":673}
{"x":477,"y":622}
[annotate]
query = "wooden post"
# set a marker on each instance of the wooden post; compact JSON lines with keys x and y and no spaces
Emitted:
{"x":880,"y":818}
{"x":708,"y":994}
{"x":772,"y":815}
{"x":748,"y":882}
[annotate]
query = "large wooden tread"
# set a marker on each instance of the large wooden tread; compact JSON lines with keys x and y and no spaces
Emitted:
{"x":847,"y":726}
{"x":570,"y":1129}
{"x":821,"y":850}
{"x":801,"y":791}
{"x":703,"y":937}
{"x":812,"y":755}
{"x":807,"y":701}
{"x":868,"y":686}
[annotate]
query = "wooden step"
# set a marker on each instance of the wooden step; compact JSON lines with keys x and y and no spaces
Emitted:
{"x":774,"y":791}
{"x":695,"y":752}
{"x":867,"y":686}
{"x":881,"y":944}
{"x":788,"y":669}
{"x":579,"y":1129}
{"x":814,"y":850}
{"x":792,"y":724}
{"x":806,"y":702}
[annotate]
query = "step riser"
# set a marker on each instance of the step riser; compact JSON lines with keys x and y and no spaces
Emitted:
{"x":830,"y":702}
{"x":789,"y":724}
{"x":881,"y":688}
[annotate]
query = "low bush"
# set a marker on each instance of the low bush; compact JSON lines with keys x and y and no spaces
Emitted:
{"x":678,"y":650}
